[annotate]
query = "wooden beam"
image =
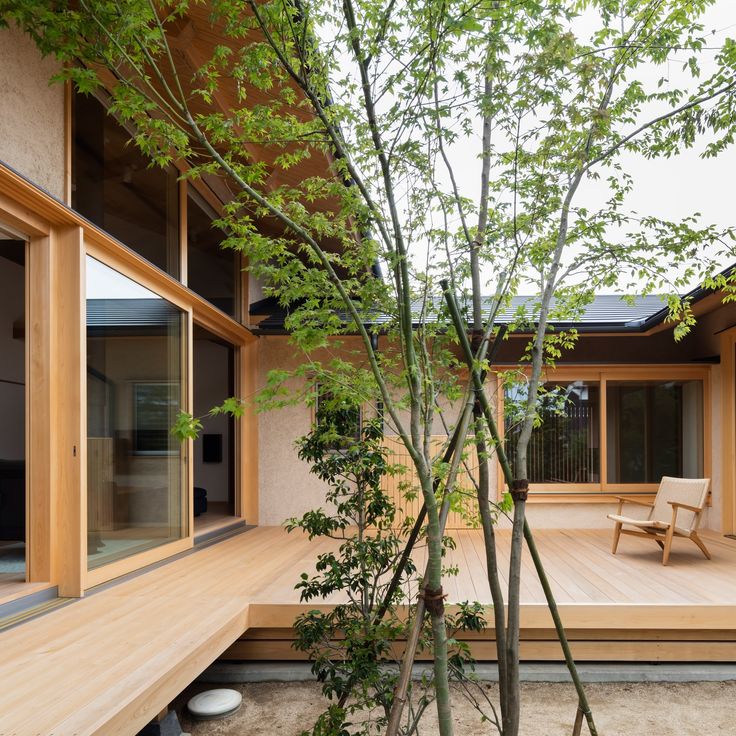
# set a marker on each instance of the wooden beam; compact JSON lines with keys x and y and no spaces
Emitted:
{"x":728,"y":431}
{"x":67,"y":411}
{"x":248,"y":508}
{"x":530,"y":651}
{"x":38,"y":401}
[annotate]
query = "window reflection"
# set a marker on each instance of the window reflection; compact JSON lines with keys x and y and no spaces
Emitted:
{"x":134,"y":390}
{"x":213,"y":272}
{"x":114,"y":186}
{"x":655,"y":428}
{"x":565,"y":447}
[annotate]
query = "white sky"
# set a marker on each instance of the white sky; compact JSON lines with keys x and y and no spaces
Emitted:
{"x":105,"y":283}
{"x":673,"y":188}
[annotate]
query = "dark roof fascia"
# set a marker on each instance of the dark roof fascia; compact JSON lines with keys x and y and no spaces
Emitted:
{"x":693,"y":297}
{"x":588,"y":328}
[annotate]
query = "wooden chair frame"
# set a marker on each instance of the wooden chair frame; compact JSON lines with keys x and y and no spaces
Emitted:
{"x":660,"y":532}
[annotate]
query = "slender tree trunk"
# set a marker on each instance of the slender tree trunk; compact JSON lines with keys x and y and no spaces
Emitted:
{"x":434,"y":603}
{"x":402,"y":686}
{"x":513,"y":711}
{"x":453,"y":454}
{"x":509,"y":477}
{"x":489,"y":543}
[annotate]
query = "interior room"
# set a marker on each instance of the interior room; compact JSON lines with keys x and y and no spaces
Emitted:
{"x":12,"y":412}
{"x":135,"y":467}
{"x":214,"y":449}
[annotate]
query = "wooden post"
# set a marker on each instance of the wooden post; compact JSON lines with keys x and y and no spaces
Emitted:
{"x":67,"y":411}
{"x":38,"y":397}
{"x":247,"y":429}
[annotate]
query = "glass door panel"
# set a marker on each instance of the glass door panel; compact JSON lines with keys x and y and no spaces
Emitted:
{"x":12,"y":412}
{"x":135,"y":388}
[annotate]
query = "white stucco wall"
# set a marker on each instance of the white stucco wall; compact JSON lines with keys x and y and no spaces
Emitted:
{"x":31,"y":113}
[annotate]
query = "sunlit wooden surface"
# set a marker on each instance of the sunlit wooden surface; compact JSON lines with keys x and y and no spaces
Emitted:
{"x":108,"y":663}
{"x":14,"y":586}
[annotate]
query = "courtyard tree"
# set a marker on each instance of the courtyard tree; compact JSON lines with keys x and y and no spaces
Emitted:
{"x":473,"y":146}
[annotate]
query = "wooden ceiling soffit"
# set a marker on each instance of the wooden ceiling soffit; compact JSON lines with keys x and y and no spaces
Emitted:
{"x":192,"y":40}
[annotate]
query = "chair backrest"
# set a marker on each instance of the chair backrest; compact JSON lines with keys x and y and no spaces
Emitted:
{"x":692,"y":491}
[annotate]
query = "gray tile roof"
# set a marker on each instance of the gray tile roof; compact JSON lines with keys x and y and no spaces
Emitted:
{"x":606,"y":311}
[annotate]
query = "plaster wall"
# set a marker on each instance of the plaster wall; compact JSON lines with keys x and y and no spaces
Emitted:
{"x":288,"y":489}
{"x":31,"y":113}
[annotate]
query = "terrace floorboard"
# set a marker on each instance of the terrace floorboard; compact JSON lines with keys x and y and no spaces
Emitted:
{"x":109,"y":662}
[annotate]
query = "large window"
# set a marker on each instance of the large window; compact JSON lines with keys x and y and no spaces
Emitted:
{"x":611,"y":431}
{"x":114,"y":186}
{"x":135,"y":358}
{"x":654,"y":428}
{"x":565,"y":447}
{"x":213,"y":272}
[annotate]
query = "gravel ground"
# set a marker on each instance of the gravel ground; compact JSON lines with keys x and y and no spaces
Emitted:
{"x":620,"y":709}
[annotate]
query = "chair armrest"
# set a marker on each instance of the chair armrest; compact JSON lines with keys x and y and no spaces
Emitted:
{"x":678,"y":505}
{"x":637,"y":501}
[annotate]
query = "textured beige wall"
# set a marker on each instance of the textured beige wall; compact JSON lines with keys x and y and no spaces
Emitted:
{"x":31,"y":113}
{"x":288,"y":489}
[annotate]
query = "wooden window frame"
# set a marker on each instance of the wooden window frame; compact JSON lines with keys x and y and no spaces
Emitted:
{"x":728,"y":430}
{"x":603,"y":491}
{"x":197,"y":309}
{"x":58,"y":241}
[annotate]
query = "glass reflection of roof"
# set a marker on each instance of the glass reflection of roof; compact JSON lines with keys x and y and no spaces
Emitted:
{"x":130,"y":312}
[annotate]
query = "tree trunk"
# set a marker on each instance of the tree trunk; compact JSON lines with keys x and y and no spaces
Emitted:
{"x":489,"y":543}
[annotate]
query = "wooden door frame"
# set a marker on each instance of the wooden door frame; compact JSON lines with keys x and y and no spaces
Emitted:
{"x":728,"y":430}
{"x":603,"y":491}
{"x":246,"y":429}
{"x":59,"y":239}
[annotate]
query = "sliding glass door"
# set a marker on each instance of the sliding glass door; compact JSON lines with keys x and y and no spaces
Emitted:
{"x":12,"y":412}
{"x":135,"y":388}
{"x":655,"y":428}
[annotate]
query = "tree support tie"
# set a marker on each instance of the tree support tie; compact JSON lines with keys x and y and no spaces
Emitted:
{"x":434,"y":601}
{"x":519,"y":489}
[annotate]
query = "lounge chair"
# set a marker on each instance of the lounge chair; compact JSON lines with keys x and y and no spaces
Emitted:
{"x":675,"y":512}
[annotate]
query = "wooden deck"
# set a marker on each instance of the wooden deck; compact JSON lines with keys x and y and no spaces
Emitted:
{"x":108,"y":663}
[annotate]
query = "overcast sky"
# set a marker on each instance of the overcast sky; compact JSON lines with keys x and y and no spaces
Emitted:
{"x":670,"y":189}
{"x":683,"y":185}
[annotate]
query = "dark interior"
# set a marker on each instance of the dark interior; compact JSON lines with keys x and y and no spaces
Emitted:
{"x":214,"y":449}
{"x":12,"y":408}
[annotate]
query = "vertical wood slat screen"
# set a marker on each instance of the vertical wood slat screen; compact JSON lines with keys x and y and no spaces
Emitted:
{"x":392,"y":484}
{"x":562,"y":450}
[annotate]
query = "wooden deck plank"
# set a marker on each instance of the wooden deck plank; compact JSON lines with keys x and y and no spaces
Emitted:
{"x":14,"y":586}
{"x":109,"y":662}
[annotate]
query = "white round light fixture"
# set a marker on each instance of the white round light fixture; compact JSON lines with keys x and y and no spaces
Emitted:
{"x":212,"y":704}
